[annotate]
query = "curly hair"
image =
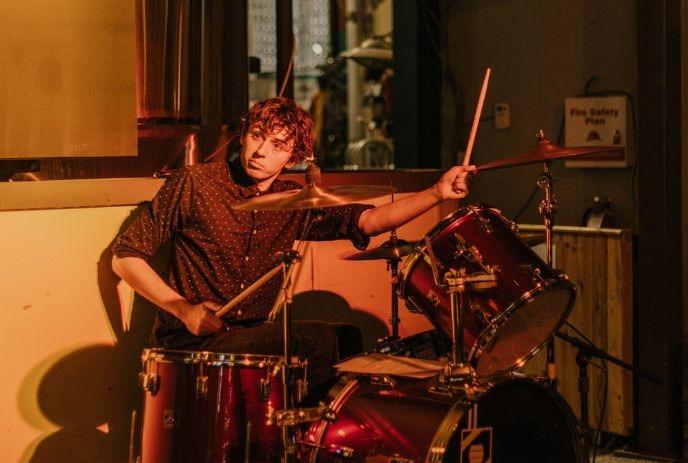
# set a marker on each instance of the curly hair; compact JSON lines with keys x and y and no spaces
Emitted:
{"x":276,"y":114}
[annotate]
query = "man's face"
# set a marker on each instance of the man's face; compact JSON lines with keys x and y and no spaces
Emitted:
{"x":264,"y":155}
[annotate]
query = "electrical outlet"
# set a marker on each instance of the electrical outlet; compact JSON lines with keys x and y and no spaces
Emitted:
{"x":502,"y":115}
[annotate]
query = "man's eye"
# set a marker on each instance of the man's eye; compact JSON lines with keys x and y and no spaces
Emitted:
{"x":279,"y":146}
{"x":255,"y":135}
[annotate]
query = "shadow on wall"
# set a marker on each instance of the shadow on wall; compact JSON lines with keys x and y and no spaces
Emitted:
{"x":331,"y":307}
{"x":91,"y":392}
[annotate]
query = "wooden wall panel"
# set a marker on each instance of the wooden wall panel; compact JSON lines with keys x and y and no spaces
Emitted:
{"x":600,"y":264}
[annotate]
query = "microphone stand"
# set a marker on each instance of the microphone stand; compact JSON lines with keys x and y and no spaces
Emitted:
{"x":585,"y":354}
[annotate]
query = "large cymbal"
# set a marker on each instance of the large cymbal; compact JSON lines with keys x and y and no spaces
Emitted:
{"x":545,"y":150}
{"x":313,"y":197}
{"x":386,"y":251}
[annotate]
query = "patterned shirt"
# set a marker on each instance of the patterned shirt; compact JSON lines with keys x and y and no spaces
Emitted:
{"x":217,"y":251}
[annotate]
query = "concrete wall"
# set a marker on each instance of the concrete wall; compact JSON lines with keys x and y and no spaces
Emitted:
{"x":540,"y":51}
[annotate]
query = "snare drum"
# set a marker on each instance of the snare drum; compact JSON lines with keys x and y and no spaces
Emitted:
{"x":504,"y":326}
{"x":211,"y":407}
{"x":408,"y":420}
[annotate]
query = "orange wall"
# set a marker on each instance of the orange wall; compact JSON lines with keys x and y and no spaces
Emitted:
{"x":72,"y":333}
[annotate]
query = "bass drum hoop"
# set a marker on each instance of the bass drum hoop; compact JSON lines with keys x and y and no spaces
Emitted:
{"x":446,"y":430}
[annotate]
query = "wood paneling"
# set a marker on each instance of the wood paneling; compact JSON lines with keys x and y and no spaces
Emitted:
{"x":601,"y":266}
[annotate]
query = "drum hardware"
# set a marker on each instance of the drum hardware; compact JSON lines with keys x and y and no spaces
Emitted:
{"x":149,"y":382}
{"x":382,"y":380}
{"x":202,"y":384}
{"x":265,"y":389}
{"x":459,"y":283}
{"x":297,"y":416}
{"x":548,"y":209}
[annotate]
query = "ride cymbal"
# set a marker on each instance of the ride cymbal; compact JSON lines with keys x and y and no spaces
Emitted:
{"x":545,"y":150}
{"x":313,"y":197}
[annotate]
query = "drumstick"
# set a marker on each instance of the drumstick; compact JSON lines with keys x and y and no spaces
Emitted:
{"x":248,"y":291}
{"x":476,"y":119}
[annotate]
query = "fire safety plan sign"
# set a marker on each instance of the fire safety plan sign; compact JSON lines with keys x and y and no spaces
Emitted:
{"x":597,"y":121}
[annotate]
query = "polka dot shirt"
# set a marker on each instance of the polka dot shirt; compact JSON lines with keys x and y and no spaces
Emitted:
{"x":217,"y":251}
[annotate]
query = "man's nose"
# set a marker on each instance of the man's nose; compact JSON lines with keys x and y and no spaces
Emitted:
{"x":261,"y":149}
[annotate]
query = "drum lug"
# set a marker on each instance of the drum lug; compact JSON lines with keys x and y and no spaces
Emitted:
{"x":535,"y":273}
{"x":149,"y":382}
{"x":202,"y":385}
{"x":383,"y":380}
{"x":301,"y":389}
{"x":342,"y":451}
{"x":265,"y":389}
{"x":297,"y":416}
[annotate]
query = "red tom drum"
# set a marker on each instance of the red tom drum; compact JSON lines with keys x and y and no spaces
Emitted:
{"x":211,"y":407}
{"x":504,"y":326}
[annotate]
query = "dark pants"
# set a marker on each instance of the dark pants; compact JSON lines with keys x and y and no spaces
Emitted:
{"x":313,"y":340}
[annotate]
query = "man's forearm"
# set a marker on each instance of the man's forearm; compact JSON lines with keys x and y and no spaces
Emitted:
{"x":144,"y":280}
{"x":383,"y":218}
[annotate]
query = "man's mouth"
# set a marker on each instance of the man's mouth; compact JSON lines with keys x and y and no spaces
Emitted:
{"x":254,"y":165}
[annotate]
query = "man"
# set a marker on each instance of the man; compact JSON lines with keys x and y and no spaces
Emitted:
{"x":218,"y":251}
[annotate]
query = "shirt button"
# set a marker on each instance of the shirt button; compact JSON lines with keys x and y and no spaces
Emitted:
{"x":246,"y":258}
{"x":253,"y":232}
{"x":242,"y":286}
{"x":239,"y":312}
{"x":258,"y":194}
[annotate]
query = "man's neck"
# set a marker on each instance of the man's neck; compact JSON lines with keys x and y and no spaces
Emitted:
{"x":264,"y":185}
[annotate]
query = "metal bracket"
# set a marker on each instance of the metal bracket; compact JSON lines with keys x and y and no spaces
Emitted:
{"x":149,"y":382}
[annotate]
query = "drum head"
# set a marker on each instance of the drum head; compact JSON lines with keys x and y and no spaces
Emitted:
{"x":517,"y":421}
{"x":523,"y":331}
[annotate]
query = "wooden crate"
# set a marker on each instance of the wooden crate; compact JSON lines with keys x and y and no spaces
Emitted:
{"x":600,"y":264}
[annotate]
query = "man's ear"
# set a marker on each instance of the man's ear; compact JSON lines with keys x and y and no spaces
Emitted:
{"x":290,"y":164}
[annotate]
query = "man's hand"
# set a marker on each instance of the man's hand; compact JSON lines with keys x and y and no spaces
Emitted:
{"x":200,"y":319}
{"x":455,"y":183}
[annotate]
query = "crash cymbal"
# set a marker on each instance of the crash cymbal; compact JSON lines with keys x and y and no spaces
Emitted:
{"x":386,"y":251}
{"x":545,"y":150}
{"x":313,"y":197}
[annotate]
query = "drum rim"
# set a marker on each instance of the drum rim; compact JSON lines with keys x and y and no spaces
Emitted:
{"x":351,"y":383}
{"x":491,"y":330}
{"x":192,"y":357}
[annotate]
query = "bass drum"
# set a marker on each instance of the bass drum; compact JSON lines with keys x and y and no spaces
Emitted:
{"x":379,"y":419}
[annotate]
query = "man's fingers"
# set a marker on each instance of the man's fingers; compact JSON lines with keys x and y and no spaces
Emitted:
{"x":212,"y":306}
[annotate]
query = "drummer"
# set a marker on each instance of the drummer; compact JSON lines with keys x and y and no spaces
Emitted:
{"x":217,"y":251}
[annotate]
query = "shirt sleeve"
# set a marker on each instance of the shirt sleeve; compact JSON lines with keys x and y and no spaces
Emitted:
{"x":157,"y":222}
{"x":340,"y":222}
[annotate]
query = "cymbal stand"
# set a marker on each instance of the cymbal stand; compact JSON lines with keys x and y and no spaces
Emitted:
{"x":393,"y":266}
{"x":548,"y":209}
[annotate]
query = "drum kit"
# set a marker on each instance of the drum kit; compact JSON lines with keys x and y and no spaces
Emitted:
{"x":494,"y":304}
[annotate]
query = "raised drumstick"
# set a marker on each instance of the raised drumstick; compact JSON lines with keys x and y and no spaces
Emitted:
{"x":476,"y":119}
